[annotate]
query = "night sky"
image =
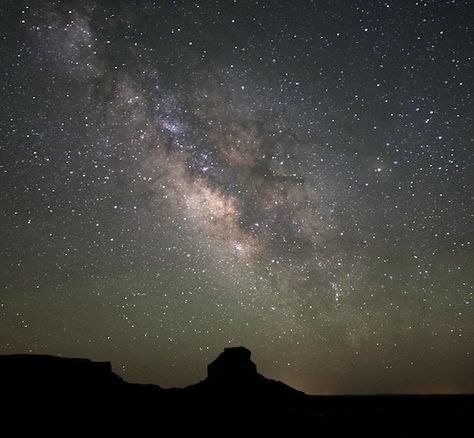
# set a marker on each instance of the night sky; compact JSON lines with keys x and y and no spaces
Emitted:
{"x":296,"y":177}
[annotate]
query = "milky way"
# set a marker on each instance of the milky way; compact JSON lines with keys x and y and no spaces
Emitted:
{"x":177,"y":177}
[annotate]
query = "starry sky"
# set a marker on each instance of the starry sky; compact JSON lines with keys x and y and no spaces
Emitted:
{"x":296,"y":176}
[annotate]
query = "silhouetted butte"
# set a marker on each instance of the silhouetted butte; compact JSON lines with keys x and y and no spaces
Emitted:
{"x":233,"y":363}
{"x":42,"y":393}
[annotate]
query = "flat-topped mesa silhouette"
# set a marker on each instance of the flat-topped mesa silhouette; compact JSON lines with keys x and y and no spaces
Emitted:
{"x":52,"y":374}
{"x":233,"y":363}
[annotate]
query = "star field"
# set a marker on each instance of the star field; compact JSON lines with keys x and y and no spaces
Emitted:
{"x":295,"y":177}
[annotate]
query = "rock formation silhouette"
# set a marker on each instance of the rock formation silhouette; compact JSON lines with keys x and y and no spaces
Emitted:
{"x":52,"y":374}
{"x":40,"y":394}
{"x":233,"y":363}
{"x":233,"y":374}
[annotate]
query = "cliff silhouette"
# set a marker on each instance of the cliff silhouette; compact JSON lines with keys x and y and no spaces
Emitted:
{"x":52,"y":395}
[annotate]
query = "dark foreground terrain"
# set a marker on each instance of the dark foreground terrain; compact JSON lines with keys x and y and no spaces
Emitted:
{"x":66,"y":397}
